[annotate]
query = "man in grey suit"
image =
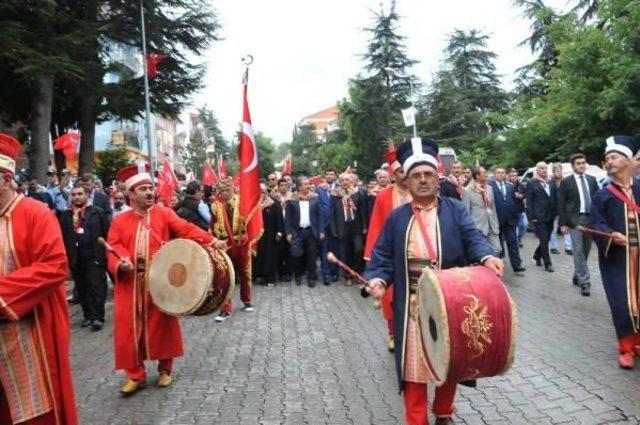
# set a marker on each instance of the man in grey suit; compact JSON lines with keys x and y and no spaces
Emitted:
{"x":574,"y":207}
{"x":479,"y":201}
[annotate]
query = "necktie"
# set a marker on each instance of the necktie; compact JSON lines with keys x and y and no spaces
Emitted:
{"x":585,"y":194}
{"x":503,"y":189}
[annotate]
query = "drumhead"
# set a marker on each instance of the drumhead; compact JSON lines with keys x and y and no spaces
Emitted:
{"x":434,"y":326}
{"x":180,"y":277}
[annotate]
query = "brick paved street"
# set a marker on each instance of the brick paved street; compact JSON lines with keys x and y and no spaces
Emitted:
{"x":316,"y":356}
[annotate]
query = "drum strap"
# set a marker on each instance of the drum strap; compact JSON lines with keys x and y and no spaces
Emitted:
{"x":425,"y":237}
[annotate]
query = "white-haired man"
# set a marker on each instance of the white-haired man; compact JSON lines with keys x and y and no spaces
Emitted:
{"x":541,"y":211}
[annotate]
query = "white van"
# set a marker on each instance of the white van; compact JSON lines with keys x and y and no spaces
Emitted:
{"x":592,"y":170}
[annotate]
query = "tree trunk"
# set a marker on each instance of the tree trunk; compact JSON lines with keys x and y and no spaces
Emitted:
{"x":87,"y":125}
{"x":41,"y":103}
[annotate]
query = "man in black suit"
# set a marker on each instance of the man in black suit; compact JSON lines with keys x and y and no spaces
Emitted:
{"x":452,"y":186}
{"x":574,"y":206}
{"x":504,"y":195}
{"x":97,"y":198}
{"x":541,"y":212}
{"x":303,"y":228}
{"x":81,"y":226}
{"x":348,"y":221}
{"x":519,"y":189}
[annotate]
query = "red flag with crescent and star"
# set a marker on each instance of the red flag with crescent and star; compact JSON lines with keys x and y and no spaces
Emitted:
{"x":287,"y":168}
{"x":209,"y":177}
{"x":249,"y":175}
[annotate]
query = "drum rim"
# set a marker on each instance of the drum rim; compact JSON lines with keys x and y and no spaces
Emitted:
{"x":229,"y":293}
{"x":445,"y":330}
{"x":203,"y":297}
{"x":514,"y":332}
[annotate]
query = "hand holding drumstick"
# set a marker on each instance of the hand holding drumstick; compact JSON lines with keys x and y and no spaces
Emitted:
{"x":357,"y":276}
{"x":125,"y":264}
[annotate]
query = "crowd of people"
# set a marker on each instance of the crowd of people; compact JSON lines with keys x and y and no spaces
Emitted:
{"x":388,"y":229}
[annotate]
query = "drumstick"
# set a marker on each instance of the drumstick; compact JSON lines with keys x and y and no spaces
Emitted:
{"x":109,"y":248}
{"x":594,"y":232}
{"x":357,"y":276}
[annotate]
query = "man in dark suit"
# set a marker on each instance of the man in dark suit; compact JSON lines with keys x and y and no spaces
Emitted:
{"x":574,"y":207}
{"x":97,"y":198}
{"x":452,"y":186}
{"x":519,"y":190}
{"x":81,"y":226}
{"x":329,"y":270}
{"x":504,"y":195}
{"x":541,"y":212}
{"x":349,"y":222}
{"x":303,"y":224}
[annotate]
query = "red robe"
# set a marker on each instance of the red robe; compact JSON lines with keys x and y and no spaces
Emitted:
{"x":163,"y":339}
{"x":37,"y":286}
{"x":382,"y":207}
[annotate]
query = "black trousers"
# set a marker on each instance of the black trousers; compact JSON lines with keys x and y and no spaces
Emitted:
{"x":304,"y":251}
{"x":352,"y":246}
{"x":284,"y":259}
{"x":91,"y":281}
{"x":508,"y":235}
{"x":543,"y":233}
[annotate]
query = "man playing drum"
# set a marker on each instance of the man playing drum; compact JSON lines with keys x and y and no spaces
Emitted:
{"x":412,"y":239}
{"x":141,"y":331}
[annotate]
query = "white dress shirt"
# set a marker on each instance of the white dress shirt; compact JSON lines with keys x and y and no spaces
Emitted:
{"x":305,"y":218}
{"x":577,"y":177}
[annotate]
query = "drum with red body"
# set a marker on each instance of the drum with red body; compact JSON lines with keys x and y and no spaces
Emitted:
{"x":468,"y":323}
{"x":186,"y":279}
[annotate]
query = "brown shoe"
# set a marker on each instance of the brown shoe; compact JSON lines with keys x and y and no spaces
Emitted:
{"x":131,"y":387}
{"x":164,"y":380}
{"x":391,"y":343}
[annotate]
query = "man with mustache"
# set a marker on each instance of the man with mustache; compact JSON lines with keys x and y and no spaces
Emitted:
{"x":417,"y":235}
{"x":141,"y":331}
{"x":615,"y":211}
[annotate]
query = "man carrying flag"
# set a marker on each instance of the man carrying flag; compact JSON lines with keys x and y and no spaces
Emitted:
{"x":244,"y":227}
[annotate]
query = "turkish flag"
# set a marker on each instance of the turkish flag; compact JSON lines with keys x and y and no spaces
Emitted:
{"x":167,"y":183}
{"x":287,"y":168}
{"x":222,"y":168}
{"x":317,"y":180}
{"x":169,"y":174}
{"x":68,"y":143}
{"x":209,"y":177}
{"x":441,"y":170}
{"x":153,"y":60}
{"x":249,"y":176}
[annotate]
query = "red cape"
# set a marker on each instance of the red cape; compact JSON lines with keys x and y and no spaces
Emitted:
{"x":37,"y":285}
{"x":164,"y":337}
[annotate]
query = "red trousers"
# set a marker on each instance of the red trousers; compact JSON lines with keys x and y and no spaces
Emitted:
{"x":387,"y":308}
{"x":416,"y":405}
{"x":48,"y":418}
{"x":140,"y":374}
{"x":630,"y":344}
{"x":242,"y":265}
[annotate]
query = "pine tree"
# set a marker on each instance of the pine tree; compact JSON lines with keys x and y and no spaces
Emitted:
{"x":466,"y":104}
{"x":372,"y":114}
{"x":304,"y":145}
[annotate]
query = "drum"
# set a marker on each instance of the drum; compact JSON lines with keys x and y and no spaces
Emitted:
{"x":467,"y":322}
{"x":186,"y":279}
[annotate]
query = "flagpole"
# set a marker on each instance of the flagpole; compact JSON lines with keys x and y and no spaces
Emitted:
{"x":147,"y":106}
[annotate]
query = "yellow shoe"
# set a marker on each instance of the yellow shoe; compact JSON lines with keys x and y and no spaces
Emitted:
{"x":164,"y":380}
{"x":391,"y":343}
{"x":130,"y":387}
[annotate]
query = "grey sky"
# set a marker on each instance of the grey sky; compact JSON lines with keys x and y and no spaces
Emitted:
{"x":305,"y":51}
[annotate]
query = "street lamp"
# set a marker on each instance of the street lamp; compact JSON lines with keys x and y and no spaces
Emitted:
{"x":395,"y":73}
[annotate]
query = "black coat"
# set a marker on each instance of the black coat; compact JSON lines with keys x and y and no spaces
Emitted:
{"x":103,"y":202}
{"x":267,"y":257}
{"x":569,"y":199}
{"x":540,"y":206}
{"x":95,"y":224}
{"x":188,"y":210}
{"x":292,"y":218}
{"x":337,"y":214}
{"x":448,"y":190}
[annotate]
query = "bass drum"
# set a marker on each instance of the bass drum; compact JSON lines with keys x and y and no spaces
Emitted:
{"x":467,"y":322}
{"x":187,"y":280}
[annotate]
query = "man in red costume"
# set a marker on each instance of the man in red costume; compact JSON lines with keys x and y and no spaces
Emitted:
{"x":141,"y":331}
{"x":227,"y":226}
{"x":388,"y":199}
{"x":35,"y":374}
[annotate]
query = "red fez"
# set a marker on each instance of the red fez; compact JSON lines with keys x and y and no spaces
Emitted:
{"x":9,"y":151}
{"x":134,"y":175}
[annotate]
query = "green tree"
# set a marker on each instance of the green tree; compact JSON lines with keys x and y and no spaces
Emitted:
{"x":465,"y":105}
{"x":266,"y":153}
{"x":304,"y":146}
{"x":371,"y":114}
{"x":195,"y":153}
{"x":111,"y":160}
